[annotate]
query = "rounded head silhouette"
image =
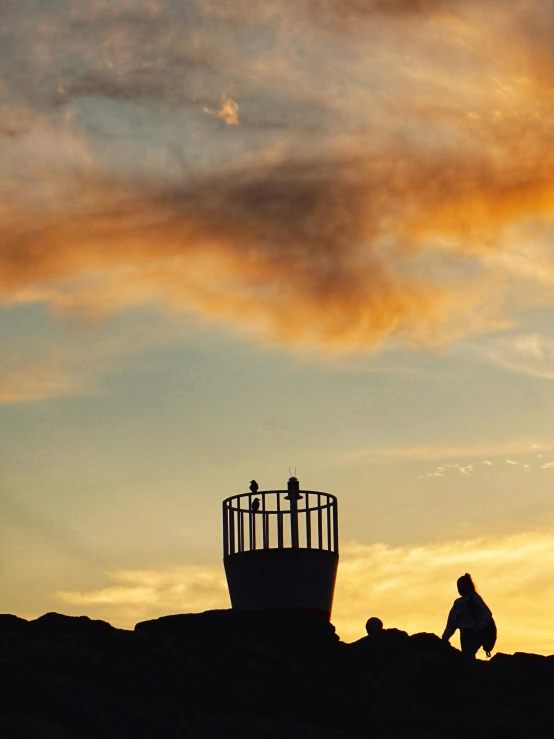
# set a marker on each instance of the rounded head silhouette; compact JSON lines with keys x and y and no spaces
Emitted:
{"x":465,"y":584}
{"x":373,"y":625}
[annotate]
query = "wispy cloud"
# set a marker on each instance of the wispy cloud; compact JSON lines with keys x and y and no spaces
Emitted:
{"x":464,"y":470}
{"x":77,"y":362}
{"x":142,"y":594}
{"x":410,"y":587}
{"x":228,"y":111}
{"x":529,"y":354}
{"x":447,"y":452}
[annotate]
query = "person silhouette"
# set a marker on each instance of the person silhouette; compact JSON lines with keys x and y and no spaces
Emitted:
{"x":373,"y":626}
{"x":473,"y":617}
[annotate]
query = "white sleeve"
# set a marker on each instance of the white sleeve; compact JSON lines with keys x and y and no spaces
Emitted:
{"x":482,"y":611}
{"x":452,"y":622}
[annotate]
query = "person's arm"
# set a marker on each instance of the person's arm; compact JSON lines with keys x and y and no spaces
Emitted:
{"x":451,"y":624}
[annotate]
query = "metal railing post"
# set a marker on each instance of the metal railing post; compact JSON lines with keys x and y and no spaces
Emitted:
{"x":319,"y":523}
{"x":293,"y":496}
{"x":264,"y":524}
{"x":231,"y":528}
{"x":251,"y":525}
{"x":308,"y":523}
{"x":225,"y":531}
{"x":336,"y":526}
{"x":279,"y":522}
{"x":241,"y":530}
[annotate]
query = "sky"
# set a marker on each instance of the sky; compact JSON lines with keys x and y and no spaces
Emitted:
{"x":238,"y":237}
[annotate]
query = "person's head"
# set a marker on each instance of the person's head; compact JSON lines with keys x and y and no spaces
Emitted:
{"x":373,"y":625}
{"x":465,"y":584}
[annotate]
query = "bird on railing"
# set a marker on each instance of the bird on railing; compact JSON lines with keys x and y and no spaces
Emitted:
{"x":254,"y":486}
{"x":255,"y":505}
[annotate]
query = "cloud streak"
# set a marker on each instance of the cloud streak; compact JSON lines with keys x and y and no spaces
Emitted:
{"x":389,"y":455}
{"x":142,"y":594}
{"x":528,"y":354}
{"x":71,"y":362}
{"x":463,"y":470}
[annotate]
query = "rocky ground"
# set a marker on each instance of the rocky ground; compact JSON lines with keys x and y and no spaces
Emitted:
{"x":245,"y":675}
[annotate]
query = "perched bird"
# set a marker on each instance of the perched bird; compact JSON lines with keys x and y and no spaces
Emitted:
{"x":255,"y":505}
{"x":254,"y":486}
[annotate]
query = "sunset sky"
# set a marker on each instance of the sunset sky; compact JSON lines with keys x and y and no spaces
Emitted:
{"x":239,"y":236}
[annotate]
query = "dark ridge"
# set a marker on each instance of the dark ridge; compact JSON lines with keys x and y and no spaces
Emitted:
{"x":55,"y":623}
{"x":10,"y":624}
{"x":258,"y":675}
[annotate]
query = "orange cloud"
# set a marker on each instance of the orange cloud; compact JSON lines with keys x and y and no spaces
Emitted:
{"x":404,"y":212}
{"x":359,"y":9}
{"x":294,"y":252}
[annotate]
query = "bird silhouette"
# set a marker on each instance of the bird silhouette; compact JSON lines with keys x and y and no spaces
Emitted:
{"x":254,"y":486}
{"x":255,"y":505}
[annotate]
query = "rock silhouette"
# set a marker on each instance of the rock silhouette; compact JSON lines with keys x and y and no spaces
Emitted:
{"x":251,"y":675}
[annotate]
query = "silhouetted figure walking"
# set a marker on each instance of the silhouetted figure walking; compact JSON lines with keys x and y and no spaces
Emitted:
{"x":255,"y":505}
{"x":473,"y":617}
{"x":254,"y":486}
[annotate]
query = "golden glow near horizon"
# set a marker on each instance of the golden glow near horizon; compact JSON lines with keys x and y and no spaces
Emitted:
{"x":410,"y":588}
{"x":240,"y":236}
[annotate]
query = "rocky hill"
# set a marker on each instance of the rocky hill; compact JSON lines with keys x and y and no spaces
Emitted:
{"x":257,"y":675}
